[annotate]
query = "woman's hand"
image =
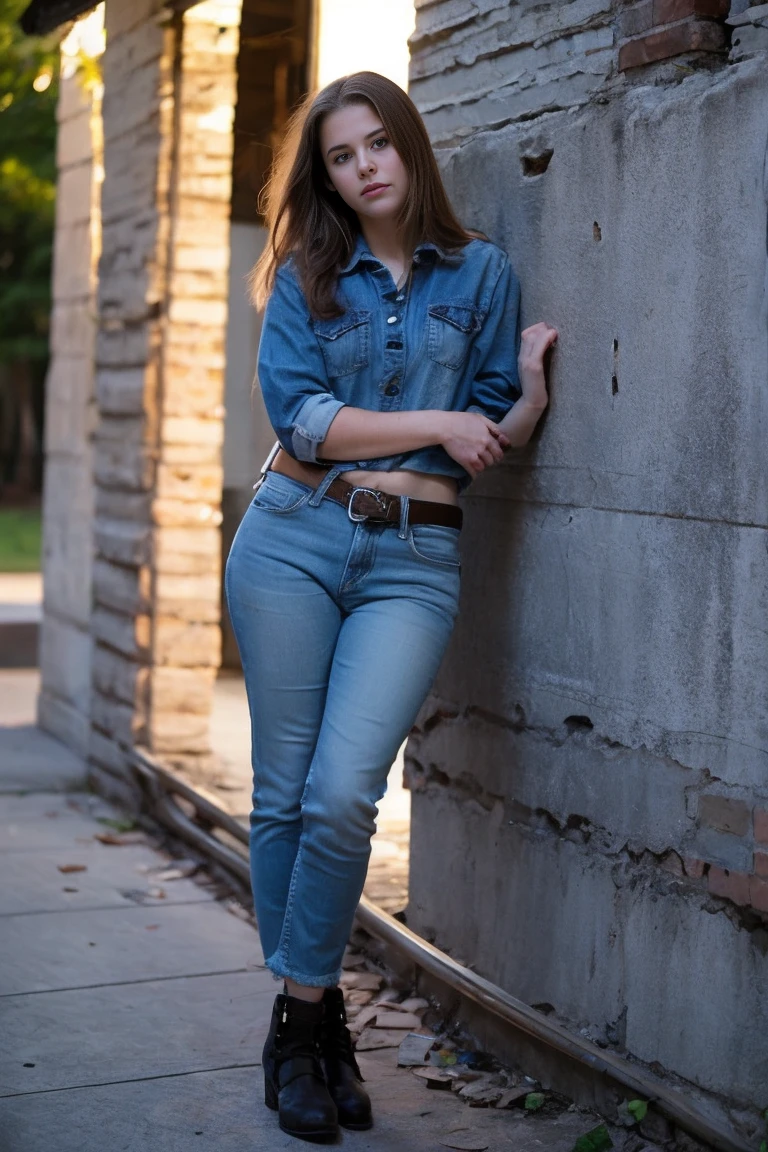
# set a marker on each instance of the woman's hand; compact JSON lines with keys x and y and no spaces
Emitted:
{"x":534,"y":343}
{"x":472,"y":440}
{"x":522,"y":418}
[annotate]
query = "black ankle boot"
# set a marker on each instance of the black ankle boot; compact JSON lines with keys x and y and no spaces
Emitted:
{"x":294,"y":1083}
{"x":341,"y":1071}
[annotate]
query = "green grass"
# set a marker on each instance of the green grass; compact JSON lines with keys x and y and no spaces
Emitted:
{"x":20,"y":532}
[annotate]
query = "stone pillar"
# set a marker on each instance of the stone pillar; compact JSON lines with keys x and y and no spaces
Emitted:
{"x":65,"y":647}
{"x":168,"y":108}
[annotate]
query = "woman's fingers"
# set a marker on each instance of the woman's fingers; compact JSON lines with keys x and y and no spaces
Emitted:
{"x":539,"y":336}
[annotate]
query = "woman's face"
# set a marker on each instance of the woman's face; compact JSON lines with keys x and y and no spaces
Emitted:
{"x":362,"y":164}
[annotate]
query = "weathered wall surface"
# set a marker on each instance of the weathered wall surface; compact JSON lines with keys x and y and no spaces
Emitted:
{"x":65,"y":643}
{"x":594,"y":756}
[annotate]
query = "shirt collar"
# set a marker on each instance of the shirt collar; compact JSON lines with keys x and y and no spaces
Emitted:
{"x":362,"y":253}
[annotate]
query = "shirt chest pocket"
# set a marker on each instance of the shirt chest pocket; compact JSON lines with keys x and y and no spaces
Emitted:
{"x":345,"y":342}
{"x":451,"y":328}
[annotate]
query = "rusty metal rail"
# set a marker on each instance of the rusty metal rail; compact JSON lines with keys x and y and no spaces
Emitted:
{"x":160,"y":786}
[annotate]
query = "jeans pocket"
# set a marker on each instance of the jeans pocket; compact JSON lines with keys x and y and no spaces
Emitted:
{"x":278,"y":493}
{"x":436,"y":544}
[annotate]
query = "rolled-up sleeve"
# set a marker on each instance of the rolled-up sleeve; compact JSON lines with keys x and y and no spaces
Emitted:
{"x":496,"y":384}
{"x":291,"y":371}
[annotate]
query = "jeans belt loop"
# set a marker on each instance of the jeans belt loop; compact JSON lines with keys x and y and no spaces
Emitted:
{"x":323,"y":487}
{"x":402,"y":531}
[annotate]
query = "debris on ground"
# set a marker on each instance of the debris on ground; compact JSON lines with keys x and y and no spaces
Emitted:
{"x":414,"y":1049}
{"x":383,"y":1014}
{"x":597,"y":1140}
{"x":465,"y":1140}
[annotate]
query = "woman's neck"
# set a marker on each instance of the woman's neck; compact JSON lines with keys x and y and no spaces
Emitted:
{"x":387,"y":244}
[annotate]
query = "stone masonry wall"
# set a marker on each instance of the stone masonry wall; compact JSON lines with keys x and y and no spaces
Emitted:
{"x":593,"y":759}
{"x":65,"y":643}
{"x":168,"y":108}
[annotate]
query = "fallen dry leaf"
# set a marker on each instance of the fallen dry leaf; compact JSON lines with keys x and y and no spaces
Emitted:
{"x":367,"y":981}
{"x":364,"y":1016}
{"x":413,"y":1004}
{"x":378,"y":1038}
{"x":359,"y":996}
{"x":120,"y":838}
{"x":464,"y":1139}
{"x":408,"y":1021}
{"x":510,"y":1095}
{"x":70,"y":889}
{"x":151,"y":927}
{"x":435,"y":1077}
{"x":72,"y":867}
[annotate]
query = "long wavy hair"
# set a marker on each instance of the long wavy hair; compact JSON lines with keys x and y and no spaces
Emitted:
{"x":312,"y":223}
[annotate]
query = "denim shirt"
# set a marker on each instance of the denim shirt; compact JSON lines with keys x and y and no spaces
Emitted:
{"x":449,"y":341}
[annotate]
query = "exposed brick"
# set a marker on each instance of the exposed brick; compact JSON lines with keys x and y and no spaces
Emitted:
{"x":671,"y":862}
{"x":637,"y":19}
{"x":665,"y":11}
{"x":731,"y":885}
{"x":724,"y":814}
{"x":761,"y":825}
{"x":758,"y":893}
{"x":693,"y":867}
{"x":761,"y":864}
{"x":693,"y":35}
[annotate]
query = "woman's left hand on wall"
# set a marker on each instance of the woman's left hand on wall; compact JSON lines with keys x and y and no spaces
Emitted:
{"x":534,"y":343}
{"x":522,"y":418}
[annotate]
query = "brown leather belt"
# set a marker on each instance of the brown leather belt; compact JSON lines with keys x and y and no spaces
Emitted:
{"x":369,"y":503}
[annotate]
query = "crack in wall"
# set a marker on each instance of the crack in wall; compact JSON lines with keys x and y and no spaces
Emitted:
{"x":665,"y":869}
{"x":634,"y":864}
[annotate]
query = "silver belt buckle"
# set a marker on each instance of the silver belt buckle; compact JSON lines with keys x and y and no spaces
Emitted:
{"x":381,"y":501}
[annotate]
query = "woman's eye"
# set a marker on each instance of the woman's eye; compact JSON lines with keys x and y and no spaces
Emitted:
{"x":380,"y":143}
{"x":341,"y":156}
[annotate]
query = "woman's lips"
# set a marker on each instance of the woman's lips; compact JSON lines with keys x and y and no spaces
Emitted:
{"x":375,"y":189}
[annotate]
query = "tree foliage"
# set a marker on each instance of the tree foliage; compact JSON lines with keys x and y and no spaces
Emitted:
{"x":27,"y":185}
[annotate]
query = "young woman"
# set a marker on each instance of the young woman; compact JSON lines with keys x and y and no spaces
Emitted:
{"x":389,"y":368}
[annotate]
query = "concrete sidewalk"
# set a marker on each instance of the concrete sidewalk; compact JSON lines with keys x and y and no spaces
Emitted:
{"x":133,"y":1006}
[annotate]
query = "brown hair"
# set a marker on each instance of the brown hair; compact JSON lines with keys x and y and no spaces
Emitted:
{"x":309,"y":221}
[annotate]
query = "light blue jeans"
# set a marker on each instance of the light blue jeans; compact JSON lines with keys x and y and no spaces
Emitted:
{"x":341,"y":628}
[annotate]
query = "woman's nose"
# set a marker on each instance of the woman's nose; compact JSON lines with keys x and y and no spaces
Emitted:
{"x":366,"y":166}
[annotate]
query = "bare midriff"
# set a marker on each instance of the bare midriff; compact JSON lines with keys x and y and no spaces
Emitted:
{"x":417,"y":485}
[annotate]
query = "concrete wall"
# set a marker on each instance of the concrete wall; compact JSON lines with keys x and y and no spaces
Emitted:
{"x":593,"y":760}
{"x":65,"y":642}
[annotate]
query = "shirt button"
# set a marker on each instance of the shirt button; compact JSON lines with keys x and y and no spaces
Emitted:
{"x":391,"y":390}
{"x":401,"y":297}
{"x":391,"y":319}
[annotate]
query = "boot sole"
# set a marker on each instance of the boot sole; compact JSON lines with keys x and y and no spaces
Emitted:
{"x":319,"y":1136}
{"x":315,"y":1137}
{"x":356,"y":1127}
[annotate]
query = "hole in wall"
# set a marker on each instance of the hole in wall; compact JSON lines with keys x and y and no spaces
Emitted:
{"x":615,"y":376}
{"x":578,"y":723}
{"x":614,"y":385}
{"x":537,"y":165}
{"x":597,"y":231}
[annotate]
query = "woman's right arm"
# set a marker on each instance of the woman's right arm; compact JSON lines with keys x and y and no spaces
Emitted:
{"x":470,"y":439}
{"x":309,"y":421}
